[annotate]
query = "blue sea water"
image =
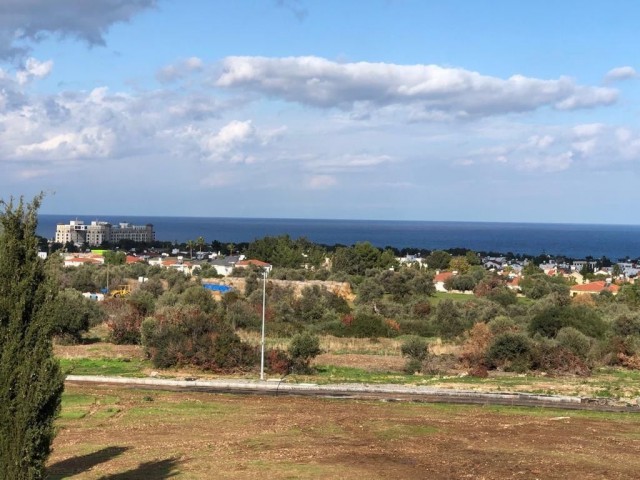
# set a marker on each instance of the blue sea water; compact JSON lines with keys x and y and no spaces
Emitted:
{"x":572,"y":240}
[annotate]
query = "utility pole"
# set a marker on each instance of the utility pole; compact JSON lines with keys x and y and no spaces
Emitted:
{"x":264,"y":298}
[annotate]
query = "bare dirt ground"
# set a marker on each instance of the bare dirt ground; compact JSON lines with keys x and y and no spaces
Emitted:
{"x":111,"y":433}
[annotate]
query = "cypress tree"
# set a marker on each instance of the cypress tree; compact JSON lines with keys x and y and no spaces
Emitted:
{"x":31,"y":382}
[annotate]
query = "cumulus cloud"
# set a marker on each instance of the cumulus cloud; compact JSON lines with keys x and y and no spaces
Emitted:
{"x":34,"y":69}
{"x":430,"y":90}
{"x":620,"y":73}
{"x":29,"y":20}
{"x":237,"y":142}
{"x":593,"y":146}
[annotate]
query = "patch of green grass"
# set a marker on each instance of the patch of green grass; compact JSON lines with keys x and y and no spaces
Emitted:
{"x":458,"y":297}
{"x":77,"y":406}
{"x":333,"y":374}
{"x":104,"y":366}
{"x":187,"y":408}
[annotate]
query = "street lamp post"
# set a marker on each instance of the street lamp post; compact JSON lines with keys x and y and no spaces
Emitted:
{"x":264,"y":297}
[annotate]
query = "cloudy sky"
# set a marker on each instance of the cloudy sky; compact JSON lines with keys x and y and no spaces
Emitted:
{"x":488,"y":110}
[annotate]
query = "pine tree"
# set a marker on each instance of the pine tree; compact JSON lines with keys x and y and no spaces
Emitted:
{"x":31,"y":382}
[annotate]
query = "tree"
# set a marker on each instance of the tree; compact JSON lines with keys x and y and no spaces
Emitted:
{"x":303,"y":348}
{"x":114,"y":258}
{"x":459,"y":264}
{"x":200,"y":243}
{"x":31,"y":382}
{"x":190,"y":245}
{"x":438,"y":260}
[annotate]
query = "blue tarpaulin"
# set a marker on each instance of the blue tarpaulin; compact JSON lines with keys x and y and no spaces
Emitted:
{"x":217,"y":288}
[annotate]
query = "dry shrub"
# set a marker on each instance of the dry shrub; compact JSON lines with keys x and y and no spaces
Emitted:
{"x":629,"y":361}
{"x":474,"y":349}
{"x":479,"y":371}
{"x":555,"y":359}
{"x":439,"y":364}
{"x":586,"y":300}
{"x":277,"y":361}
{"x":124,"y":321}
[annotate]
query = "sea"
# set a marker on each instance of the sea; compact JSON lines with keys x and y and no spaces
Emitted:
{"x":571,"y":240}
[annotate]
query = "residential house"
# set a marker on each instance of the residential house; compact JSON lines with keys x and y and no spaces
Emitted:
{"x":439,"y":279}
{"x":594,"y":288}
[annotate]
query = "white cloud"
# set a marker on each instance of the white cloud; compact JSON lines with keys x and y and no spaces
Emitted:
{"x":348,"y":162}
{"x":429,"y":90}
{"x":179,"y":70}
{"x":30,"y":20}
{"x":547,"y":162}
{"x":34,"y":69}
{"x":541,"y":142}
{"x":588,"y":129}
{"x":321,"y":182}
{"x":620,"y":73}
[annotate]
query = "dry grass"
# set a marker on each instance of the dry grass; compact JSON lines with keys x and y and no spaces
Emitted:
{"x":126,"y":434}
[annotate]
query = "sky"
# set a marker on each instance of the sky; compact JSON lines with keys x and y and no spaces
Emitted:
{"x":461,"y":110}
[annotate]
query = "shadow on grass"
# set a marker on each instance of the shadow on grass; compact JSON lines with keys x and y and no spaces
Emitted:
{"x":157,"y":470}
{"x":82,"y":463}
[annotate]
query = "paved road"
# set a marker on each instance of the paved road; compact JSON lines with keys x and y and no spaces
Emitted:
{"x":362,"y":391}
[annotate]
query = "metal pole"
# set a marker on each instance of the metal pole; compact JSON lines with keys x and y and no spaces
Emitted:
{"x":264,"y":296}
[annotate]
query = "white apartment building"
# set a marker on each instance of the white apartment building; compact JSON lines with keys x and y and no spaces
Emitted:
{"x":95,"y":233}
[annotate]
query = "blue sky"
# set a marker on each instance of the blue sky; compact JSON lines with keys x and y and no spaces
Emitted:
{"x":379,"y":109}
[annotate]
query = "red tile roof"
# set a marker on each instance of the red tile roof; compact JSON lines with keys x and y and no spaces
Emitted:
{"x":595,"y":287}
{"x":442,"y":276}
{"x":257,"y":263}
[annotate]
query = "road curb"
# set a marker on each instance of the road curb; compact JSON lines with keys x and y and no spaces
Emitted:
{"x":362,"y":391}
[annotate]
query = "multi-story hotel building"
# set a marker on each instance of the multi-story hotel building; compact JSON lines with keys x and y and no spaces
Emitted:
{"x":97,"y":232}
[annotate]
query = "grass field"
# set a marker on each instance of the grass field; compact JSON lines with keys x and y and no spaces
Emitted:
{"x":118,"y":434}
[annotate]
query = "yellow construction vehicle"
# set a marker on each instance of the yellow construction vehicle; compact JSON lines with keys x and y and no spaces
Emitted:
{"x":121,"y":291}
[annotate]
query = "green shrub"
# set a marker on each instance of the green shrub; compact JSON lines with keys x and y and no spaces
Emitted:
{"x":185,"y":335}
{"x":575,"y":341}
{"x":303,"y":348}
{"x":626,"y":324}
{"x":511,"y":351}
{"x":364,"y":325}
{"x":415,"y":348}
{"x":72,"y":315}
{"x":502,"y":324}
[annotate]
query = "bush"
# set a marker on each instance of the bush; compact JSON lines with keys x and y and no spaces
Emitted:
{"x":125,"y":330}
{"x":303,"y":348}
{"x":416,"y":350}
{"x":365,"y":325}
{"x":551,"y":357}
{"x":474,"y":349}
{"x":72,"y":315}
{"x":185,"y":335}
{"x":510,"y":351}
{"x":574,"y":341}
{"x":277,"y":361}
{"x":124,"y":322}
{"x":627,"y":324}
